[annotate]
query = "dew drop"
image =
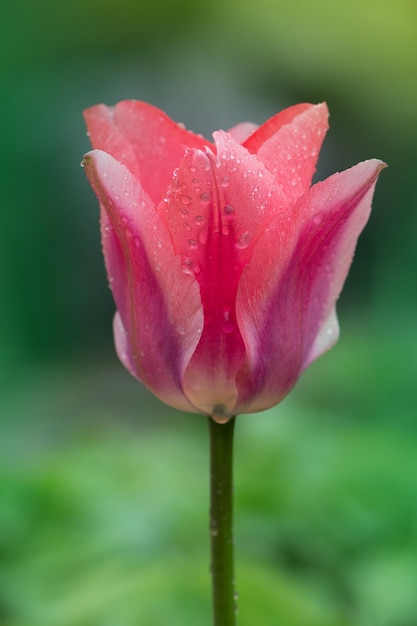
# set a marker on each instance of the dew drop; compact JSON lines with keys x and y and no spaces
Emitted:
{"x":187,"y":265}
{"x":219,"y":415}
{"x":205,"y":198}
{"x":229,"y":211}
{"x":159,"y":244}
{"x":228,"y":322}
{"x":181,"y":330}
{"x":193,"y":169}
{"x":225,"y":181}
{"x":193,"y":244}
{"x":243,"y":240}
{"x":199,"y":220}
{"x":186,"y":199}
{"x":214,"y":531}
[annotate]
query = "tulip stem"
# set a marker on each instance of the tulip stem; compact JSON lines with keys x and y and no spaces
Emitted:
{"x":221,"y":523}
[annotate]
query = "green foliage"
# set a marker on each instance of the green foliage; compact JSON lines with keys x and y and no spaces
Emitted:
{"x":104,"y":520}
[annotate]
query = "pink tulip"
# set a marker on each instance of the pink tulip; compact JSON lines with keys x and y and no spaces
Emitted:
{"x":225,"y":265}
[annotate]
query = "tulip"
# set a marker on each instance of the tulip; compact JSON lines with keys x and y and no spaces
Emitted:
{"x":224,"y":262}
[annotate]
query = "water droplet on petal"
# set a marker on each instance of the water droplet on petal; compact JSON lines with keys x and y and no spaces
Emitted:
{"x":187,"y":265}
{"x":186,"y":199}
{"x":228,"y":322}
{"x":193,"y":244}
{"x":229,"y":211}
{"x":219,"y":415}
{"x":205,"y":198}
{"x":225,"y":181}
{"x":243,"y":240}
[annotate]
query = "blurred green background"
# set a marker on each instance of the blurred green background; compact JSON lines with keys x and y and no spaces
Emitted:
{"x":103,"y":509}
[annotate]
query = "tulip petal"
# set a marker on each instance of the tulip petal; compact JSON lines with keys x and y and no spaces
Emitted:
{"x":272,"y":126}
{"x":194,"y":214}
{"x":287,"y":319}
{"x":291,"y":153}
{"x":215,"y":209}
{"x":143,"y":138}
{"x":159,"y":307}
{"x":241,"y":132}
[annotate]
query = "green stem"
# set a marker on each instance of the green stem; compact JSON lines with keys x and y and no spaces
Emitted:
{"x":221,"y":522}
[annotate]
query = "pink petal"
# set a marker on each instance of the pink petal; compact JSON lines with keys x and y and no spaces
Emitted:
{"x":241,"y":132}
{"x":291,"y":153}
{"x":272,"y":126}
{"x":215,"y":209}
{"x":160,"y":314}
{"x":286,"y":298}
{"x":195,"y":216}
{"x":143,"y":138}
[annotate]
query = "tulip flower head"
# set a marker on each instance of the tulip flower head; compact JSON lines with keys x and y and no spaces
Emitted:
{"x":224,"y":262}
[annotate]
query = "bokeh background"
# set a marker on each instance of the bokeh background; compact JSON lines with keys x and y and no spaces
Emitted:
{"x":103,"y":508}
